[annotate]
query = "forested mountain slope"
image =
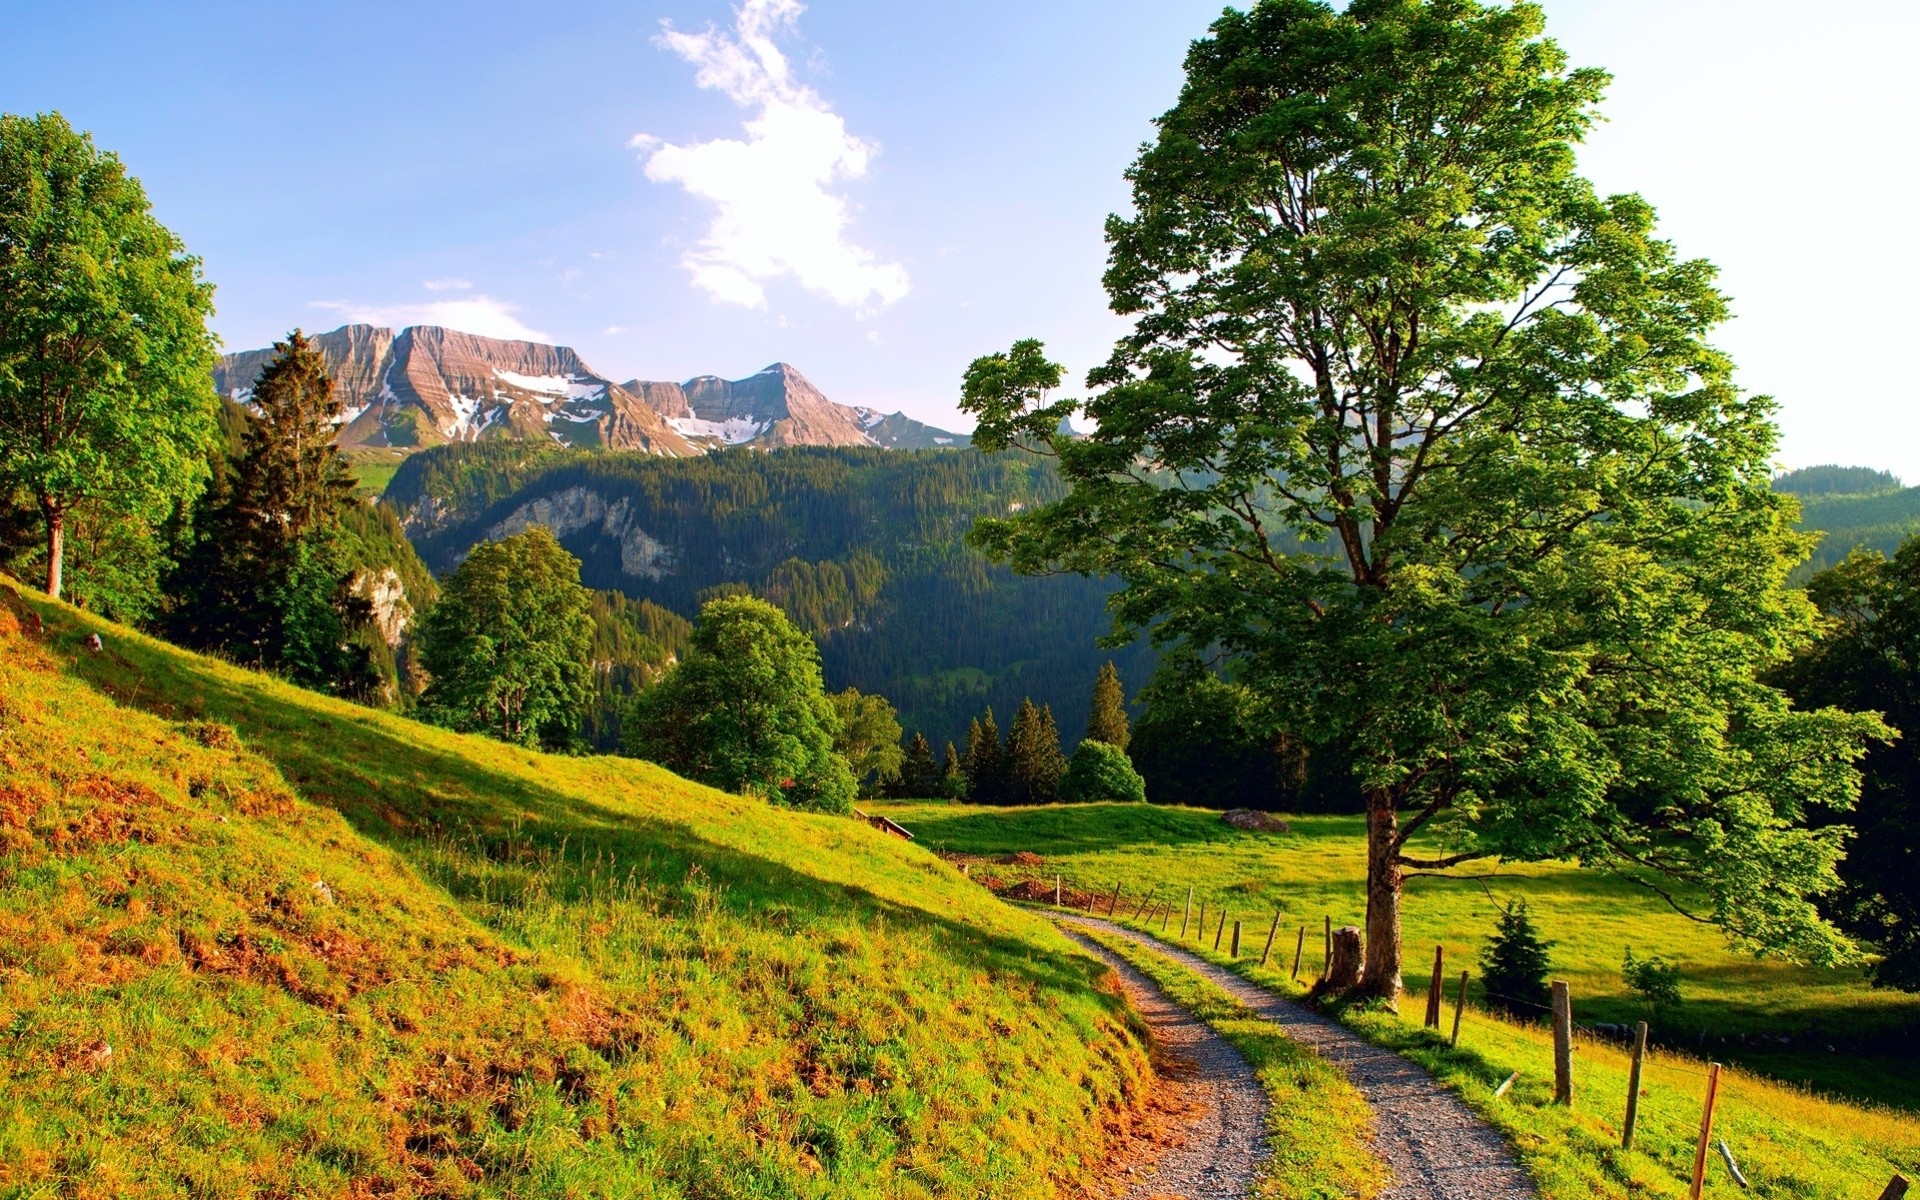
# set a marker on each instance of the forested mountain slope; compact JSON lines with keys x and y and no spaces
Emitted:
{"x":258,"y":941}
{"x":864,"y":548}
{"x":1853,"y":508}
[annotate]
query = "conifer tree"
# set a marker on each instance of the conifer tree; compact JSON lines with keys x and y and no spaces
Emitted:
{"x":269,"y":580}
{"x":1034,"y":760}
{"x":920,"y":773}
{"x":953,"y":777}
{"x":1514,"y":965}
{"x":1108,"y":720}
{"x":986,"y":763}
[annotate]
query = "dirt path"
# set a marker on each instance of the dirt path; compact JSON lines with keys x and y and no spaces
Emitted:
{"x":1434,"y":1145}
{"x":1226,"y":1135}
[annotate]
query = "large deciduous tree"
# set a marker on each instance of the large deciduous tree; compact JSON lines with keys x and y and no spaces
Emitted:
{"x":106,"y":393}
{"x":1428,"y":438}
{"x":747,"y":711}
{"x":508,"y":643}
{"x":869,"y":739}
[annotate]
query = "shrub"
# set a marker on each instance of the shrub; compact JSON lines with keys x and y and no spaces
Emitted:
{"x":1656,"y":979}
{"x":1098,"y":771}
{"x":1514,"y":966}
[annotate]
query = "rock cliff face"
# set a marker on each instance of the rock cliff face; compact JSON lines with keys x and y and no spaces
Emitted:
{"x":427,"y":386}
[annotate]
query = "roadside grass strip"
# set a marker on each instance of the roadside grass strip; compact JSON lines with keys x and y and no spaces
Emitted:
{"x":1320,"y":1126}
{"x":1788,"y":1141}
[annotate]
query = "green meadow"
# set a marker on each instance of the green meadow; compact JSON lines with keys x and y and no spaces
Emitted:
{"x":1735,"y":1007}
{"x":255,"y":941}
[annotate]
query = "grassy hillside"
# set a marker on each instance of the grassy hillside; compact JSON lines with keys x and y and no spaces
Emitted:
{"x":258,"y":942}
{"x":1735,"y":1008}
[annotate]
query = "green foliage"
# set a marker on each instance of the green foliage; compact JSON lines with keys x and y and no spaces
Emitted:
{"x":1446,"y":464}
{"x":1514,"y":964}
{"x":986,"y":761}
{"x":106,"y":404}
{"x":919,"y":771}
{"x":635,"y":644}
{"x":953,"y":776}
{"x":746,"y":711}
{"x":863,"y":548}
{"x":1202,"y":739}
{"x":1107,"y":720}
{"x":506,"y":647}
{"x":1098,"y":771}
{"x":1869,"y":658}
{"x":272,"y":572}
{"x":332,"y":950}
{"x":1034,"y":763}
{"x":1656,"y":979}
{"x":869,"y":739}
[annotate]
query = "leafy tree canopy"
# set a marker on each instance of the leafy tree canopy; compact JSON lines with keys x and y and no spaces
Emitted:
{"x":1099,"y":771}
{"x":747,"y":711}
{"x":1430,"y":439}
{"x":106,"y":394}
{"x":869,"y":739}
{"x":507,"y":645}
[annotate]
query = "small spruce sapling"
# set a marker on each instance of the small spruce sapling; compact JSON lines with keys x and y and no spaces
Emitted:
{"x":1514,"y":965}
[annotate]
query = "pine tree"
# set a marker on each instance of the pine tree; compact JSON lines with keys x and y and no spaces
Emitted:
{"x":920,"y":773}
{"x":1108,"y":720}
{"x":1034,"y":760}
{"x":953,"y":777}
{"x":269,"y":580}
{"x":1514,"y":965}
{"x":986,"y":762}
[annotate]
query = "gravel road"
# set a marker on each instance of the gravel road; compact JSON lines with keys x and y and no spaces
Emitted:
{"x":1434,"y":1145}
{"x":1227,"y":1140}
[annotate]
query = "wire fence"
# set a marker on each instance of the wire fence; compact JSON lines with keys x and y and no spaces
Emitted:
{"x":1183,"y":915}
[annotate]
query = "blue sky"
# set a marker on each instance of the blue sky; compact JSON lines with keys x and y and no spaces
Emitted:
{"x":597,"y":172}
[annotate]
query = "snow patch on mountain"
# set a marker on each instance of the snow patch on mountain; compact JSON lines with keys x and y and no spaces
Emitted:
{"x":571,"y":387}
{"x":730,"y":432}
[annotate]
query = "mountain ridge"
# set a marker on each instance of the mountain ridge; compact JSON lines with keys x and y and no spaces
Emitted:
{"x":428,"y":385}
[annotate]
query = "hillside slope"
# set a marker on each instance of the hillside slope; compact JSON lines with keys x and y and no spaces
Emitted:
{"x":255,"y":941}
{"x":864,"y":548}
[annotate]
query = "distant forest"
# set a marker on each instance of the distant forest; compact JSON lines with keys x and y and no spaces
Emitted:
{"x":864,"y":548}
{"x":1854,"y":508}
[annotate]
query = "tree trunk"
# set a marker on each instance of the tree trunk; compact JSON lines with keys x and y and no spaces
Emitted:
{"x":1381,"y":977}
{"x":56,"y":545}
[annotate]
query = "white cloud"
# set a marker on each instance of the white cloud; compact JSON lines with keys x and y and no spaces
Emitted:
{"x":446,"y":285}
{"x":483,"y":315}
{"x":614,"y":329}
{"x":775,"y":210}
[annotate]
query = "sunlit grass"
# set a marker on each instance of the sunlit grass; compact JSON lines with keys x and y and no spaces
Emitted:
{"x":254,"y":941}
{"x":1318,"y":870}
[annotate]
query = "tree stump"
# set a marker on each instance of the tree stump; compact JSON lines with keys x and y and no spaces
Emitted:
{"x":1345,"y":964}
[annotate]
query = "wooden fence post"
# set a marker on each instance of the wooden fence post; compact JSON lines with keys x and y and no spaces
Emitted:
{"x":1633,"y":1085}
{"x":1219,"y":929}
{"x":1093,"y":898}
{"x":1299,"y":947}
{"x":1706,"y":1130}
{"x":1145,"y":902}
{"x":1185,"y":913}
{"x":1236,"y":941}
{"x":1326,"y":959}
{"x":1265,"y":954}
{"x":1436,"y":986}
{"x":1563,"y":1044}
{"x":1056,"y":891}
{"x":1116,"y":898}
{"x":1200,"y":922}
{"x":1459,"y":1006}
{"x":1166,"y":914}
{"x":1896,"y":1188}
